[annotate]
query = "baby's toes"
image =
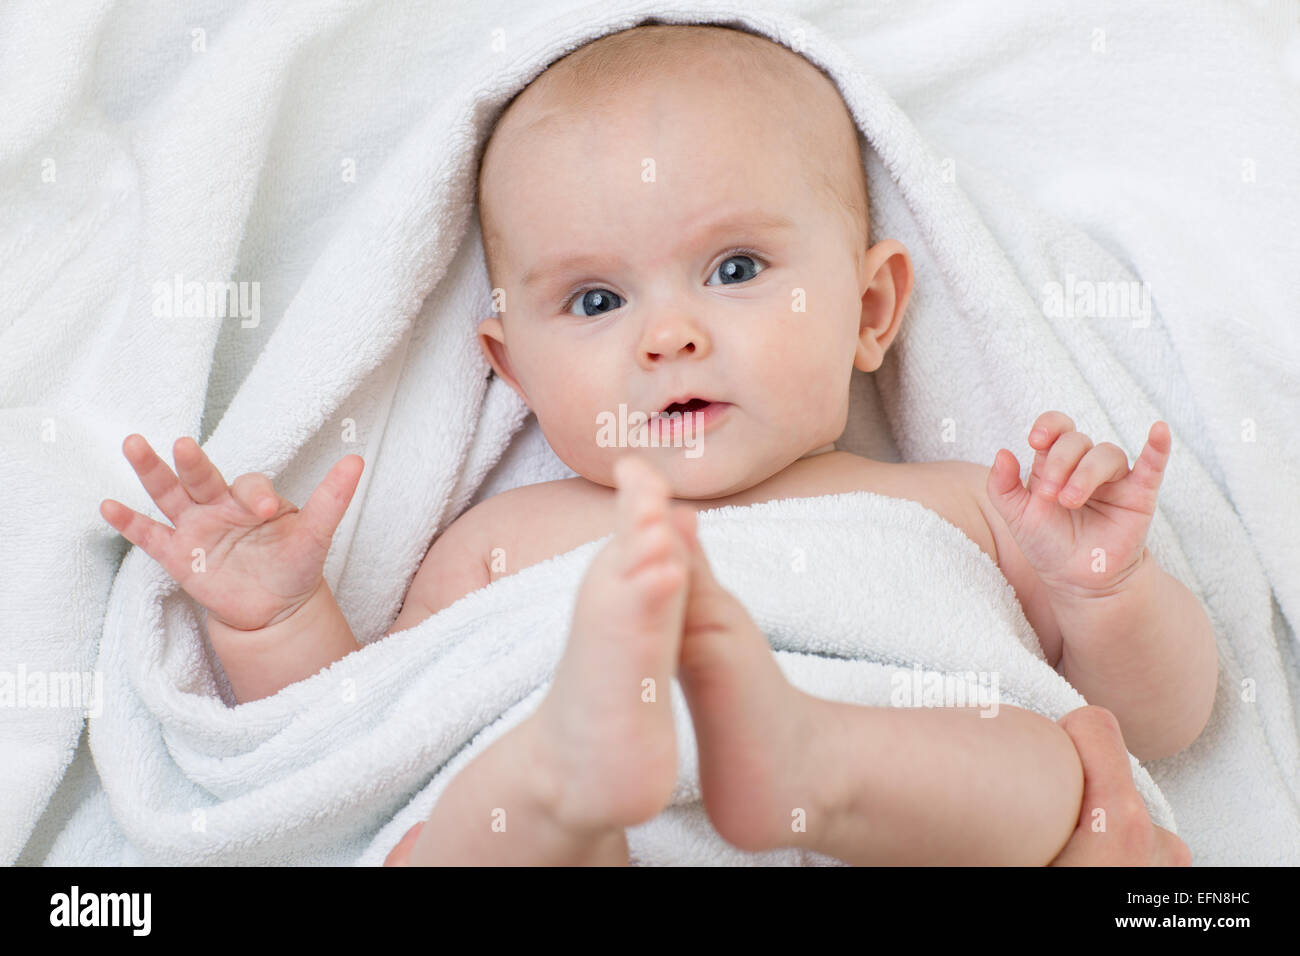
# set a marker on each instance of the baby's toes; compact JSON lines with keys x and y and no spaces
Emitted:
{"x":655,"y":566}
{"x":642,"y":495}
{"x":649,"y":545}
{"x":658,"y":584}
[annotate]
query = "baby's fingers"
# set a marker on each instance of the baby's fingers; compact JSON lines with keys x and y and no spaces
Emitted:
{"x":156,"y":477}
{"x":149,"y":536}
{"x":197,"y":473}
{"x":1103,"y":463}
{"x":1149,"y":469}
{"x":256,"y":493}
{"x":328,"y":503}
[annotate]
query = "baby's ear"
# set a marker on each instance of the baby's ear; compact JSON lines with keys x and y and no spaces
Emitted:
{"x":492,"y":340}
{"x":887,"y":272}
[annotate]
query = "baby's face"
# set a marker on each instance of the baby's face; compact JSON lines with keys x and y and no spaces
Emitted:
{"x":673,"y":248}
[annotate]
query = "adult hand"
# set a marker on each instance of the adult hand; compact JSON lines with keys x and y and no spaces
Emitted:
{"x":1129,"y":837}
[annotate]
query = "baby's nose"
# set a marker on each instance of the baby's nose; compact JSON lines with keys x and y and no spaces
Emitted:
{"x":670,"y":340}
{"x":688,"y":347}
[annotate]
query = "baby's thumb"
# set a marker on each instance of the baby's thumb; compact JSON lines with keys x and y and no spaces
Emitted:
{"x":329,"y":502}
{"x":1003,"y":486}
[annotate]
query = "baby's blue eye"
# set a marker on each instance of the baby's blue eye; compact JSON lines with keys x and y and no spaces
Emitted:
{"x":598,"y":301}
{"x":595,"y":302}
{"x":731,"y":271}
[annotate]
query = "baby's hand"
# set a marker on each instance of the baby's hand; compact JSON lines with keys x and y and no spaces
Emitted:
{"x":246,"y":554}
{"x":1103,"y":506}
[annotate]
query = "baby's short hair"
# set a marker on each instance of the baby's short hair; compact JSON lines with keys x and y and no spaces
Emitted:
{"x":593,"y":75}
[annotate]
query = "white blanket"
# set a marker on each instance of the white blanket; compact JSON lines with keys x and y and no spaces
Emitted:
{"x":326,"y":152}
{"x":864,"y":598}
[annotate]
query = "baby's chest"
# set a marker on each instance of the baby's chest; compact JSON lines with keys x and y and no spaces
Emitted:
{"x":937,"y":486}
{"x":563,"y":518}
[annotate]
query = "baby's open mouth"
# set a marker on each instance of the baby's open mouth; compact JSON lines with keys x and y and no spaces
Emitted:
{"x":692,"y":405}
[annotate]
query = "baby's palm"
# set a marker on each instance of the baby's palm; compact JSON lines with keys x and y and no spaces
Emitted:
{"x":246,"y":554}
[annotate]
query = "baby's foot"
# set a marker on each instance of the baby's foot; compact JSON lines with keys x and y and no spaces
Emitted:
{"x":606,"y":727}
{"x":757,"y":734}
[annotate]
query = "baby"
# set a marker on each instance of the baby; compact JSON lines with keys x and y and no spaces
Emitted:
{"x":651,"y":206}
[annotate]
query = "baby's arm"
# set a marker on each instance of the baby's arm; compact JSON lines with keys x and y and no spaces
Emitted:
{"x":946,"y":786}
{"x":1147,"y":654}
{"x":259,"y":663}
{"x":1142,"y":645}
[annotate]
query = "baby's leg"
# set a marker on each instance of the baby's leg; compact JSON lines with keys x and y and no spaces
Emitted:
{"x":947,"y":786}
{"x":600,"y":753}
{"x":868,"y":785}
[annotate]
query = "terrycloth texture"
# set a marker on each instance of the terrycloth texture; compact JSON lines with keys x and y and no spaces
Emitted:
{"x":857,"y":593}
{"x":327,"y":151}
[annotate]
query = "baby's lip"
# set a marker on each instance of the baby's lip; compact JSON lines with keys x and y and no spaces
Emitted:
{"x":685,"y":399}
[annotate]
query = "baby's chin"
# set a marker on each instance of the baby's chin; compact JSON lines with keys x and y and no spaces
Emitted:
{"x":699,"y":477}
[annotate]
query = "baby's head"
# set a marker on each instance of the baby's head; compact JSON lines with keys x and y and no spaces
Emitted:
{"x":681,"y":211}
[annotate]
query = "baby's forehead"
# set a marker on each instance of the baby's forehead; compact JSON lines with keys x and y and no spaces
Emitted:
{"x":726,"y":69}
{"x":664,"y":163}
{"x":725,"y":98}
{"x":673,"y":133}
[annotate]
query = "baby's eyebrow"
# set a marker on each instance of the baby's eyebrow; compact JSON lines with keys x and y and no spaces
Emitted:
{"x":751,"y":221}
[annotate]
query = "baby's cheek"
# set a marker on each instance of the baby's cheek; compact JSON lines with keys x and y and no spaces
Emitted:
{"x":577,"y":397}
{"x":820,"y":383}
{"x":558,"y":373}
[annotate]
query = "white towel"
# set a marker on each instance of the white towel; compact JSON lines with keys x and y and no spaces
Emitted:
{"x":327,"y":151}
{"x":864,"y":598}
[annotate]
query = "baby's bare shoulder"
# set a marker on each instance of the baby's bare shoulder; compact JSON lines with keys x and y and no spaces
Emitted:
{"x":955,"y":488}
{"x":950,"y":488}
{"x":498,"y":536}
{"x":531,"y":523}
{"x":528,"y":505}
